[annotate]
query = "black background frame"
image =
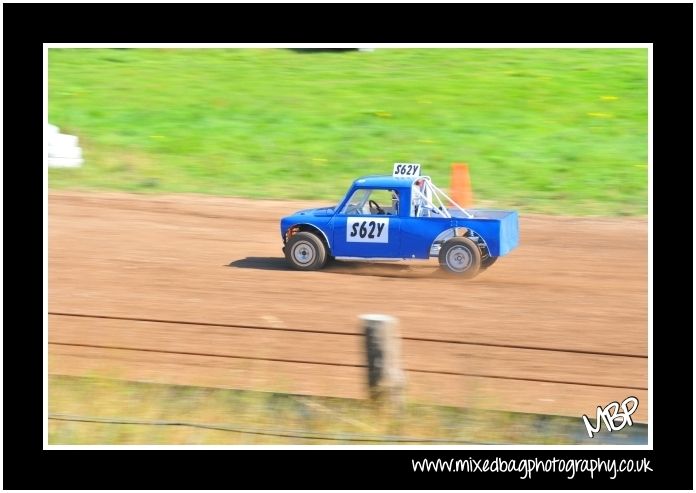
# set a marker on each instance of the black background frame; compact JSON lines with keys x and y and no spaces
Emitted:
{"x":26,"y":26}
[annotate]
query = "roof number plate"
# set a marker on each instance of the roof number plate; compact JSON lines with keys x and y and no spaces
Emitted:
{"x":406,"y":169}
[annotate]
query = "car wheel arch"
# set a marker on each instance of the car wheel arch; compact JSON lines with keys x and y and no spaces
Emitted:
{"x":459,"y":231}
{"x":310,"y":228}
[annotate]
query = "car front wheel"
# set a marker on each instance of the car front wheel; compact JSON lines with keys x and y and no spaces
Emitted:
{"x":305,"y":251}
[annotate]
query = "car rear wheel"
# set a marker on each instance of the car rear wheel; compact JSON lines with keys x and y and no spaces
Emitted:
{"x":305,"y":251}
{"x":488,"y":261}
{"x":460,"y":256}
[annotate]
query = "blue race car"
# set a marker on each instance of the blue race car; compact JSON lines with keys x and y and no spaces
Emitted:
{"x":399,"y":217}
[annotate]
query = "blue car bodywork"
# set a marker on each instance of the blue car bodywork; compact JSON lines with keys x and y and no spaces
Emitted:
{"x":350,"y":231}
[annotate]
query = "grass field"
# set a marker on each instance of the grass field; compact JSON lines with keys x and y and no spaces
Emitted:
{"x":544,"y":130}
{"x":265,"y":418}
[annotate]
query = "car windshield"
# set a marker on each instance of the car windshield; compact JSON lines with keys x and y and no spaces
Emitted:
{"x":367,"y":202}
{"x":356,"y":202}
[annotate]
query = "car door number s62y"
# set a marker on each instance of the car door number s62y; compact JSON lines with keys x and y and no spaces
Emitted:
{"x":373,"y":230}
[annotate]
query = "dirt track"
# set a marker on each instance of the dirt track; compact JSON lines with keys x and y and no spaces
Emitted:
{"x":573,"y":284}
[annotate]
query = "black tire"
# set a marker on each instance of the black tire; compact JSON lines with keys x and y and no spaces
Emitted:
{"x":460,"y":256}
{"x":305,"y":251}
{"x":488,"y":261}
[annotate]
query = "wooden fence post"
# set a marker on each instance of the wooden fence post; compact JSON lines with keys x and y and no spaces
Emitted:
{"x":385,"y":376}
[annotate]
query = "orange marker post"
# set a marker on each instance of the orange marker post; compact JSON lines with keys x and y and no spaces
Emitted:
{"x":460,"y":186}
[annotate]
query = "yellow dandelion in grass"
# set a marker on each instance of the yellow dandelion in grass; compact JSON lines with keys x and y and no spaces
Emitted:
{"x":609,"y":98}
{"x":600,"y":115}
{"x":383,"y":114}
